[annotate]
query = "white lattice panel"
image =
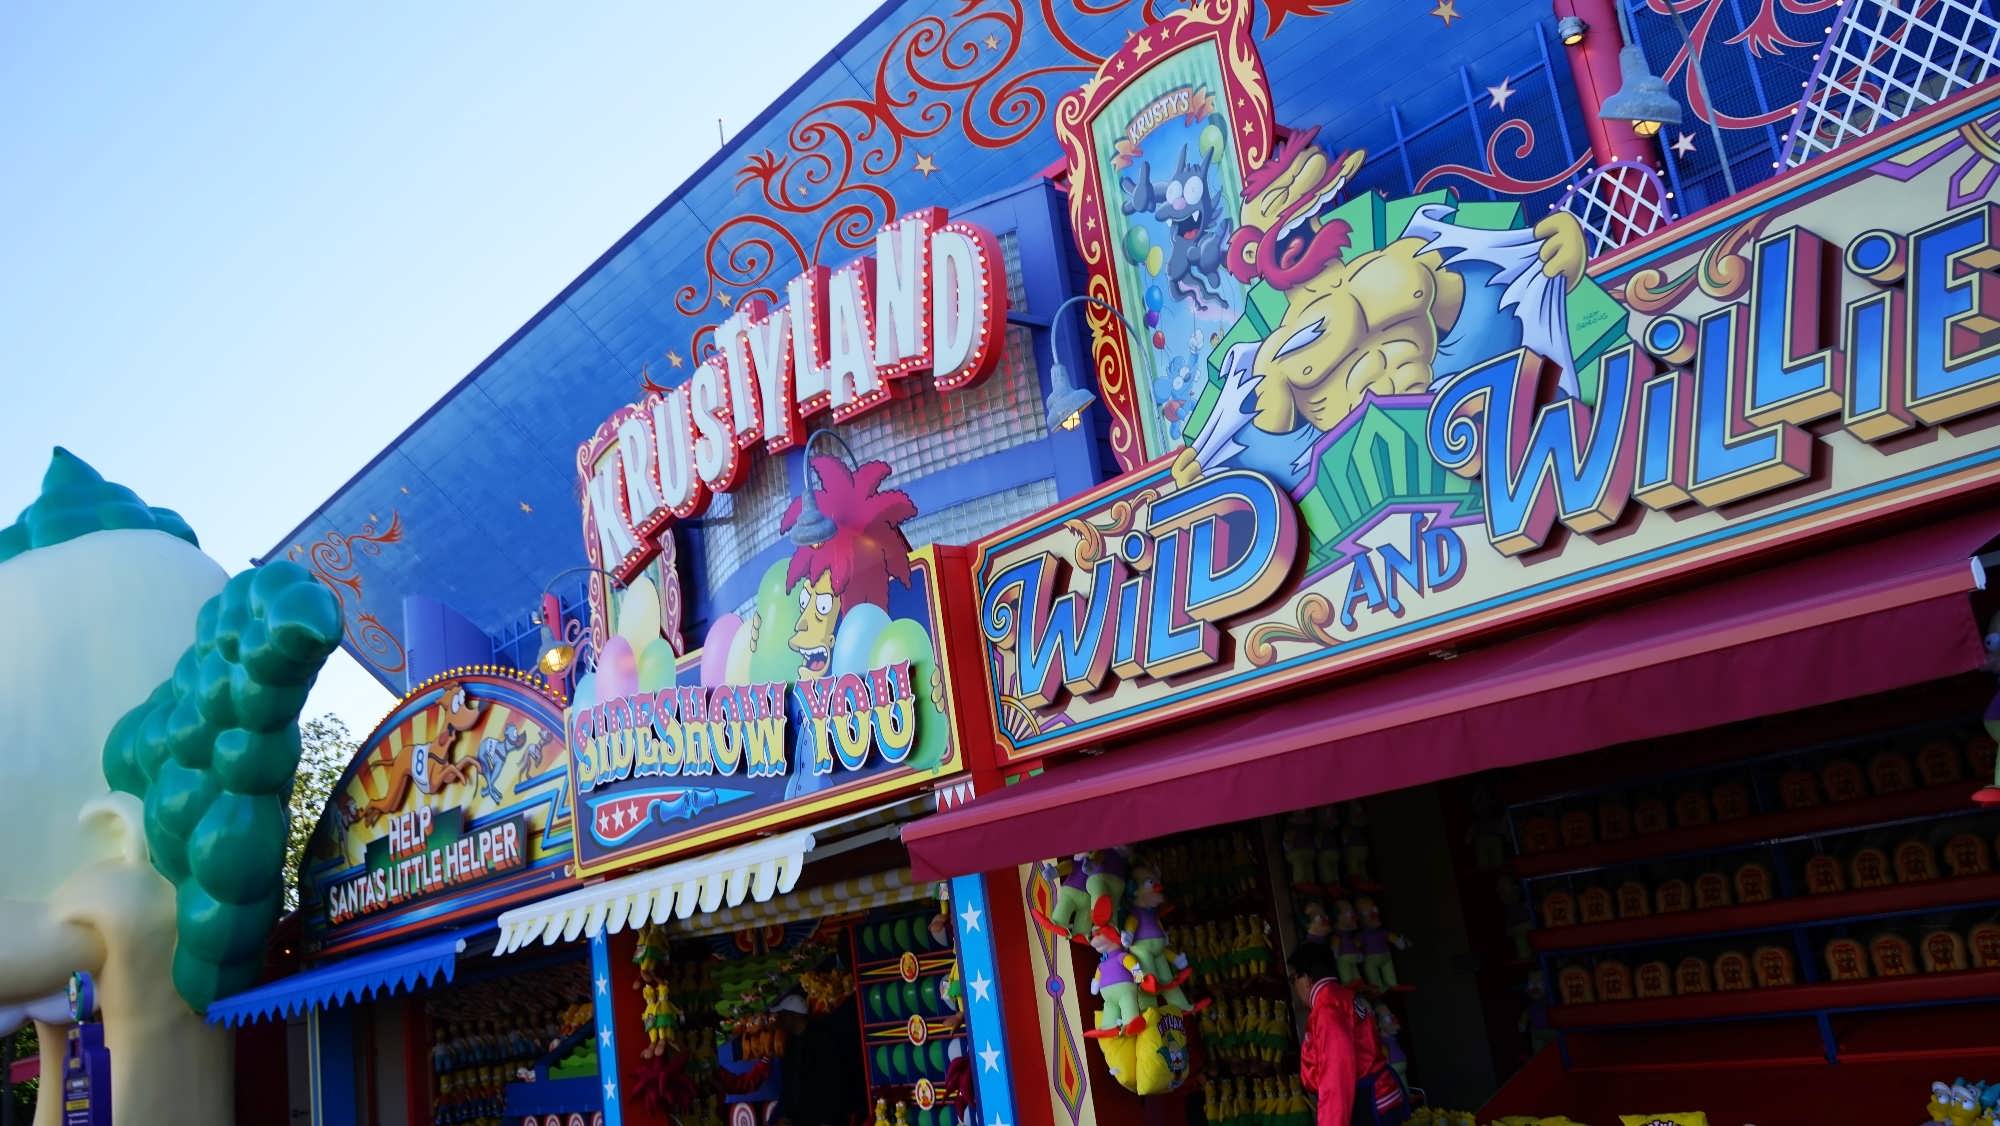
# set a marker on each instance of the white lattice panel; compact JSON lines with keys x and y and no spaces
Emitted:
{"x":1886,"y":59}
{"x":1618,"y":203}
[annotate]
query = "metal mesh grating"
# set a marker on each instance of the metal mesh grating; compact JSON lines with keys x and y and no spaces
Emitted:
{"x":1886,"y":59}
{"x":919,"y":435}
{"x":1617,"y":204}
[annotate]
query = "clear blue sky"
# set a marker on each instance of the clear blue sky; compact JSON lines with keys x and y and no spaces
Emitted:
{"x":243,"y":245}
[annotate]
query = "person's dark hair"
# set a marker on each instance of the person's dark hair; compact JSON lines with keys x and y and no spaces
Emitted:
{"x":1313,"y":961}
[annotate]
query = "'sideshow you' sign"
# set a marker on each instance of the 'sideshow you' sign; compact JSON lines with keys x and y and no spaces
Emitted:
{"x":814,"y":703}
{"x":1798,"y":360}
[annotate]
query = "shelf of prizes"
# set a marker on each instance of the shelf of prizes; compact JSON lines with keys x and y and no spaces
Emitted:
{"x":879,"y":988}
{"x":1181,"y":943}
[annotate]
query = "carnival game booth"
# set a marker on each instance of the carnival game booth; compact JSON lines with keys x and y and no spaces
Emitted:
{"x":454,"y":807}
{"x":738,"y":815}
{"x":1740,"y":471}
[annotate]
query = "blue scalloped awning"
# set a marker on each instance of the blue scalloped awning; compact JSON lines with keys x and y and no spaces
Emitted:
{"x":378,"y":973}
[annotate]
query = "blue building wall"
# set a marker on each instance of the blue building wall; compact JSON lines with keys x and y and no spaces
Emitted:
{"x":476,"y":504}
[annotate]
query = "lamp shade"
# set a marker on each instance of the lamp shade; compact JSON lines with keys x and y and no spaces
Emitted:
{"x":1642,"y":98}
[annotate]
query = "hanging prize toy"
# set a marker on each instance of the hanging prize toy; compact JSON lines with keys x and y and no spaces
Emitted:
{"x":1069,"y":913}
{"x":1116,"y":983}
{"x":1105,"y":883}
{"x":1377,"y":944}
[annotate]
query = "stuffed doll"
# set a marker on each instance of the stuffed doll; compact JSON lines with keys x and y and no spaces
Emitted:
{"x":1377,"y":942}
{"x":1354,"y":846}
{"x":1164,"y":971}
{"x":1387,"y":1027}
{"x":1347,"y":942}
{"x":1319,"y":928}
{"x":1327,"y":839}
{"x":1104,"y":882}
{"x":1070,"y":912}
{"x":1301,"y":850}
{"x":1116,"y":983}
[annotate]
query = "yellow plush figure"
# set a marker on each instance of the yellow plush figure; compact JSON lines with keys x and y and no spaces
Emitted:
{"x":1153,"y":1060}
{"x":1685,"y":1118}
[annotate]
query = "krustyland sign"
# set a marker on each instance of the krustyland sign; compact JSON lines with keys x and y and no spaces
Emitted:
{"x":932,"y":299}
{"x":456,"y":805}
{"x":1799,"y":359}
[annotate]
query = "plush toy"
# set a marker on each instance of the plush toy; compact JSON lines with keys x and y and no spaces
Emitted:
{"x":1354,"y":846}
{"x":1319,"y":928}
{"x":1153,"y":1058}
{"x":1387,"y":1027}
{"x":1535,"y":1017}
{"x":1116,"y":983}
{"x":1377,"y":942}
{"x":1104,"y":882}
{"x":1301,"y":850}
{"x":1347,"y":949}
{"x":1165,"y":971}
{"x":1327,"y":835}
{"x":1254,"y":934}
{"x":1070,"y":912}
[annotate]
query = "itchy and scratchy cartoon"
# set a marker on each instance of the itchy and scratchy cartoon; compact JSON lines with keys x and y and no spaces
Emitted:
{"x":153,"y":735}
{"x":1400,"y":319}
{"x":1189,"y":204}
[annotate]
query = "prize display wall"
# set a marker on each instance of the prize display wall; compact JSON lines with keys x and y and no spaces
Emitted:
{"x":514,"y":1046}
{"x":1183,"y":942}
{"x":1785,"y":904}
{"x":714,"y":1047}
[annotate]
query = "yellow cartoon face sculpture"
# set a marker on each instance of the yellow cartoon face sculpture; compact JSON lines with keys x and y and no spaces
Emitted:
{"x":819,"y":612}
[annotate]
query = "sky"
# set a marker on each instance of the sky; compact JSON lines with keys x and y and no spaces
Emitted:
{"x":243,"y":245}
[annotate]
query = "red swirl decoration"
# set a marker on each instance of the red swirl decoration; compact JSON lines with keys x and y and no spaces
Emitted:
{"x":1492,"y":176}
{"x":941,"y":72}
{"x":1762,"y":35}
{"x":334,"y":561}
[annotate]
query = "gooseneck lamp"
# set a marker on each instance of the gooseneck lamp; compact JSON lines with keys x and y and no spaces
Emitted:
{"x":1067,"y":402}
{"x":557,"y":655}
{"x":1642,"y":98}
{"x":813,"y":527}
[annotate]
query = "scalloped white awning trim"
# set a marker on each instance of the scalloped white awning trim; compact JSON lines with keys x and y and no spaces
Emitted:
{"x":753,"y":872}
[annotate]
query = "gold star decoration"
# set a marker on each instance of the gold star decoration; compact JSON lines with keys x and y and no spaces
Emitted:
{"x":926,"y":164}
{"x":526,"y":507}
{"x":992,"y":41}
{"x":674,"y":358}
{"x":1144,"y":46}
{"x":1447,"y":10}
{"x":374,"y":519}
{"x":725,"y":299}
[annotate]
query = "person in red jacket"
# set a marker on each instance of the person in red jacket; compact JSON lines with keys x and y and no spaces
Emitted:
{"x":1342,"y":1063}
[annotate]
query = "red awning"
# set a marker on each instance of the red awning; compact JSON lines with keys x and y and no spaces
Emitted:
{"x":1823,"y":628}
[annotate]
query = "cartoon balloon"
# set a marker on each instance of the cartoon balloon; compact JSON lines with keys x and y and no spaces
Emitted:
{"x":741,"y":647}
{"x":1211,"y":143}
{"x":1159,"y":340}
{"x":639,"y":613}
{"x":905,"y":640}
{"x":1152,"y":318}
{"x":778,"y":618}
{"x":657,"y":665}
{"x":617,"y":669}
{"x":583,"y":693}
{"x":1155,"y":258}
{"x":715,"y":649}
{"x":854,"y":639}
{"x":1137,"y":242}
{"x":1155,"y":300}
